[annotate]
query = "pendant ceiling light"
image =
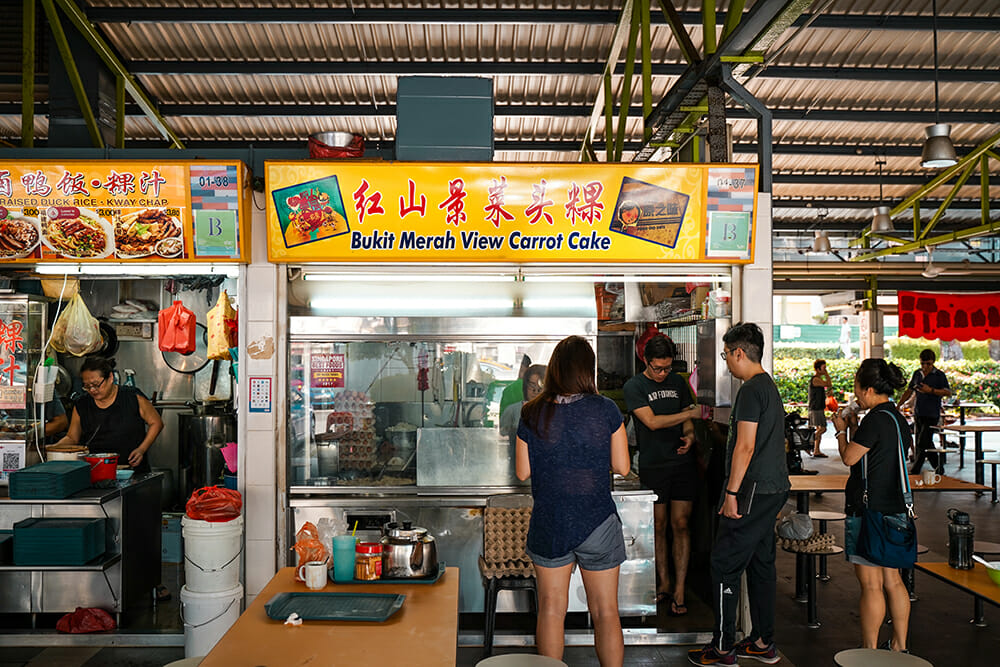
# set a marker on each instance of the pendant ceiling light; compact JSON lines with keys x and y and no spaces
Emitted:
{"x":938,"y":151}
{"x":881,"y":223}
{"x":821,"y":243}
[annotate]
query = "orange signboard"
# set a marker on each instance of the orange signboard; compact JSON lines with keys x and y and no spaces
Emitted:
{"x":355,"y":211}
{"x":123,"y":210}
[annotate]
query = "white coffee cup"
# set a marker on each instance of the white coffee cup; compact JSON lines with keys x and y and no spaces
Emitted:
{"x":930,"y":477}
{"x":314,"y":574}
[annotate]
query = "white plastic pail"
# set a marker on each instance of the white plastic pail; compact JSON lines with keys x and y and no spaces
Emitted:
{"x":212,"y":554}
{"x":207,"y":616}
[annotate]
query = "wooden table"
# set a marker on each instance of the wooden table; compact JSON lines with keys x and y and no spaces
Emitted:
{"x":803,"y":485}
{"x":423,"y":632}
{"x":974,"y":581}
{"x":977,"y":427}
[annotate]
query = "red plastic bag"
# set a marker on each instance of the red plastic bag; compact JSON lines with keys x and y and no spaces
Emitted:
{"x":831,"y":404}
{"x":86,"y":619}
{"x":214,"y":503}
{"x":317,"y":149}
{"x":308,"y":546}
{"x":177,"y":327}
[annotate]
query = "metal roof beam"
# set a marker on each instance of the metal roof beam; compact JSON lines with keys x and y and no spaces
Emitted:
{"x":524,"y":68}
{"x":534,"y":17}
{"x":543,"y":110}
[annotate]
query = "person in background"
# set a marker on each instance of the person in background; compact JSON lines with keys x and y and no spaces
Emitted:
{"x":532,"y":385}
{"x":514,"y":392}
{"x":756,"y":487}
{"x":111,"y":418}
{"x":568,"y":439}
{"x":56,"y":421}
{"x":878,"y":440}
{"x":660,"y":401}
{"x":930,"y":385}
{"x":819,"y":387}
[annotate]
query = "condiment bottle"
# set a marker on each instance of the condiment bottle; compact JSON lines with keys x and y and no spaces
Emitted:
{"x":368,"y":561}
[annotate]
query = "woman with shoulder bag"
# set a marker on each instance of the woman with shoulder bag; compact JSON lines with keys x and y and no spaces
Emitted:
{"x":879,"y":535}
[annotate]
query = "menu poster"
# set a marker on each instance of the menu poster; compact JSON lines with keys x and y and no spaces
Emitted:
{"x":326,"y":371}
{"x":118,"y":211}
{"x":353,"y":211}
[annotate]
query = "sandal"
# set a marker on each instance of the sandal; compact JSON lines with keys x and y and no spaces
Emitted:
{"x":664,"y":597}
{"x":162,"y":593}
{"x":677,"y":609}
{"x":820,"y":455}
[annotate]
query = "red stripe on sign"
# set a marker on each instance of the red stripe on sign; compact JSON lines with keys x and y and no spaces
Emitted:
{"x":729,"y":207}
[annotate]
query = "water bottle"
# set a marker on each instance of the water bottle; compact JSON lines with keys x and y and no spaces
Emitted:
{"x":960,"y":532}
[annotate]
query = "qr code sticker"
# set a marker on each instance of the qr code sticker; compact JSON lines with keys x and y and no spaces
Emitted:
{"x":11,"y":461}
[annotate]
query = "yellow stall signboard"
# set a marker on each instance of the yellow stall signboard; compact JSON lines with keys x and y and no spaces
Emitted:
{"x":356,"y":211}
{"x":110,"y":211}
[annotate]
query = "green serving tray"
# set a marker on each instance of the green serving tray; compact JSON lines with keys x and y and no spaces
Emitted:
{"x":376,"y":607}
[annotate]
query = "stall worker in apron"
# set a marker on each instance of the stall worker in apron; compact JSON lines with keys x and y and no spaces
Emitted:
{"x":112,"y":418}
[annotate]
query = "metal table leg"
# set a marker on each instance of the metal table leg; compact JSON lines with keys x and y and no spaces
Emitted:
{"x":979,"y":457}
{"x":823,"y":576}
{"x":977,"y":611}
{"x":811,"y":587}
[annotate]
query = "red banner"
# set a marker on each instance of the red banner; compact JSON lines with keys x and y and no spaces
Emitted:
{"x":961,"y":317}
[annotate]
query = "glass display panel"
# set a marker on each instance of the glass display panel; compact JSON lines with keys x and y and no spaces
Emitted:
{"x":392,"y":413}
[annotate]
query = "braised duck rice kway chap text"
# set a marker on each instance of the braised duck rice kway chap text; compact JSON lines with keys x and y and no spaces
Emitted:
{"x":77,"y":237}
{"x":17,"y":237}
{"x":136,"y":234}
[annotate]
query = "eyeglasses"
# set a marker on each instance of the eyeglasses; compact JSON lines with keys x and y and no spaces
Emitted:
{"x":94,"y":385}
{"x":723,"y":355}
{"x":659,"y":369}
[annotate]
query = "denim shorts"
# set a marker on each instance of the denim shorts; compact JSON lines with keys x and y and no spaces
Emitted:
{"x":852,"y":529}
{"x":602,"y":550}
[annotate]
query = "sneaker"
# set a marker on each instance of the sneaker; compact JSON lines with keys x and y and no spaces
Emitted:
{"x":707,"y":655}
{"x":887,"y":646}
{"x":747,"y":648}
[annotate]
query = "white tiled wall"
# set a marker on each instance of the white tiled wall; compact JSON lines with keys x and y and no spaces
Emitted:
{"x":258,"y":442}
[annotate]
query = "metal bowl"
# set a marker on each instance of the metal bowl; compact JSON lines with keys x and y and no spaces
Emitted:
{"x":335,"y":139}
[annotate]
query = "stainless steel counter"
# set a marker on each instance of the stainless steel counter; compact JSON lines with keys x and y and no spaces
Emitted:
{"x":127,"y":572}
{"x":454,"y":516}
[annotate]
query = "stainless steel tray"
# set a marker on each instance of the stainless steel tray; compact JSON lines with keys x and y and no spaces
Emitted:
{"x":376,"y":607}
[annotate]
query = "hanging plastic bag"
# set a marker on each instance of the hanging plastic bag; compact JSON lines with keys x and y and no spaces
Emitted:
{"x":76,"y":331}
{"x":308,"y":546}
{"x":221,"y":328}
{"x":177,"y":327}
{"x":213,"y":503}
{"x":831,"y":404}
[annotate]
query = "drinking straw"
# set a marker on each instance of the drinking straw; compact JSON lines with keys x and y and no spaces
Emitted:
{"x":355,"y":528}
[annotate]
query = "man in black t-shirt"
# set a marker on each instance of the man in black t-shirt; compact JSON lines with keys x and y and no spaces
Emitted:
{"x":756,"y":487}
{"x":930,"y":386}
{"x":660,"y":401}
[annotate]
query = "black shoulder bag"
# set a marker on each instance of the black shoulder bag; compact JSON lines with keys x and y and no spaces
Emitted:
{"x":889,"y":540}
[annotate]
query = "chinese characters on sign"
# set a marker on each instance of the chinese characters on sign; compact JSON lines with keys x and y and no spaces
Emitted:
{"x":12,"y":363}
{"x":118,"y":211}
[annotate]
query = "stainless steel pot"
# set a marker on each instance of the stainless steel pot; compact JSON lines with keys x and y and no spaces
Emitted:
{"x":408,"y":552}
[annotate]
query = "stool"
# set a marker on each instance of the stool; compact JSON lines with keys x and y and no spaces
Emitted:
{"x":870,"y":657}
{"x":520,"y":660}
{"x":907,"y":574}
{"x":504,"y":564}
{"x":186,"y":662}
{"x":823,"y":517}
{"x":986,"y":548}
{"x":812,"y":619}
{"x":941,"y":451}
{"x":994,"y":463}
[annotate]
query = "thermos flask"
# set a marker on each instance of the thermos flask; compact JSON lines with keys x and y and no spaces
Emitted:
{"x":960,"y":532}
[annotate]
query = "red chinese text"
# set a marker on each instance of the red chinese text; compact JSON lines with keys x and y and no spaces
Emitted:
{"x":589,"y":209}
{"x":151,"y":181}
{"x":36,"y":184}
{"x":495,"y":210}
{"x":537,"y":211}
{"x":412,"y":207}
{"x":366,"y":204}
{"x":72,"y":184}
{"x":6,"y":187}
{"x":10,"y":336}
{"x":119,"y":184}
{"x":455,"y":204}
